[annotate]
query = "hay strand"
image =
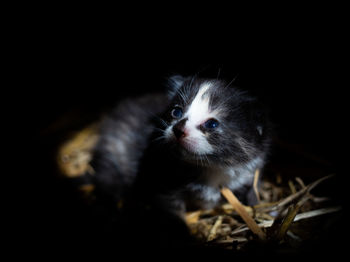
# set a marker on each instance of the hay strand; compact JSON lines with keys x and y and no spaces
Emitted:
{"x":255,"y":184}
{"x":231,"y":198}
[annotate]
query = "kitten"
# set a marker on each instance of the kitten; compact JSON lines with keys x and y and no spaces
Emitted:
{"x":180,"y":149}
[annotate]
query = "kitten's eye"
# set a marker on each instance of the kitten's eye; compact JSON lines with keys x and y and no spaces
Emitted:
{"x":211,"y":124}
{"x":176,"y":112}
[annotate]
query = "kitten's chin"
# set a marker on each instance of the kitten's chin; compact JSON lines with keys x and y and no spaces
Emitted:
{"x":192,"y":157}
{"x":188,"y":152}
{"x":187,"y":146}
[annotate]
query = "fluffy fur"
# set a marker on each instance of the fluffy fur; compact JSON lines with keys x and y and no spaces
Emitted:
{"x":178,"y":159}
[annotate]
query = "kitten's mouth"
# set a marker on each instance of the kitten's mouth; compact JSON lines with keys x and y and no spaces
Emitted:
{"x":189,"y":153}
{"x":189,"y":146}
{"x":185,"y":143}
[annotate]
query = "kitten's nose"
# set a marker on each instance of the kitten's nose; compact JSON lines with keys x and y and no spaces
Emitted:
{"x":179,"y":129}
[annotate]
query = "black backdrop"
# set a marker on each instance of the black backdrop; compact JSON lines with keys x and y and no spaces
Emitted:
{"x":297,"y":73}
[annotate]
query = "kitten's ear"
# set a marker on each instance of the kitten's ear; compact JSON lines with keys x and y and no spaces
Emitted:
{"x":174,"y":83}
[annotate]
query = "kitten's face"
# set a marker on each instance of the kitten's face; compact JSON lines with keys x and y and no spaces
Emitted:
{"x":206,"y":120}
{"x":189,"y":117}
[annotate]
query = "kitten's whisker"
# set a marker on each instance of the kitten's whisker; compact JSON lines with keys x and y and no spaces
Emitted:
{"x":201,"y":159}
{"x":158,"y":138}
{"x":182,"y":95}
{"x":165,"y":124}
{"x":234,"y":79}
{"x":160,"y":120}
{"x":206,"y":158}
{"x":158,"y":129}
{"x":193,"y":78}
{"x":219,"y":71}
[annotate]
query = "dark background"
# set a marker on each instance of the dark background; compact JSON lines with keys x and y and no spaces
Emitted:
{"x":75,"y":72}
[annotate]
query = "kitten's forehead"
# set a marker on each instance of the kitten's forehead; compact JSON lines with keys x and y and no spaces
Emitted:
{"x":199,"y":108}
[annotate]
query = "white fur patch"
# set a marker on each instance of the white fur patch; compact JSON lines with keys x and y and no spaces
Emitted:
{"x":205,"y":192}
{"x":168,"y":133}
{"x":197,"y":113}
{"x":244,"y":174}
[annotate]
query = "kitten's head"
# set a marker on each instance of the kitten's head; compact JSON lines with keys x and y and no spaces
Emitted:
{"x":212,"y":122}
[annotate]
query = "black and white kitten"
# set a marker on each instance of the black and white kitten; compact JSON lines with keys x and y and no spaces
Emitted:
{"x":181,"y":148}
